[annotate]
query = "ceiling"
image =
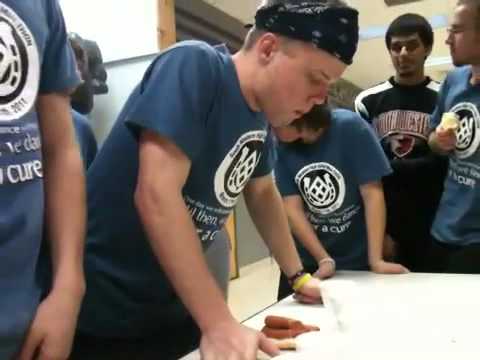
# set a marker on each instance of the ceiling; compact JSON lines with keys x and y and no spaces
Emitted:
{"x":372,"y":62}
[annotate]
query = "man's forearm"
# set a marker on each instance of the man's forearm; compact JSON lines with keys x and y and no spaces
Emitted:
{"x":64,"y":183}
{"x":267,"y":212}
{"x":175,"y":243}
{"x":375,"y":218}
{"x":65,"y":216}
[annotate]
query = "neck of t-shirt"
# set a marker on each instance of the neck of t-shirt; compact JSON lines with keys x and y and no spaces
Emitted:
{"x":410,"y":82}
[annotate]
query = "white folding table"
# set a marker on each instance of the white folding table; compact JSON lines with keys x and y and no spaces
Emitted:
{"x":386,"y":317}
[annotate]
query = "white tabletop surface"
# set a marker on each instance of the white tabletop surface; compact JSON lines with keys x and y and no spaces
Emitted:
{"x":369,"y":316}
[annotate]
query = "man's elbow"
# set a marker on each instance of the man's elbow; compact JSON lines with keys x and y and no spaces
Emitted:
{"x":259,"y":187}
{"x":146,"y":199}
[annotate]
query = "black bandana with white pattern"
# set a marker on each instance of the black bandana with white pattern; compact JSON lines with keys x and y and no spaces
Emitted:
{"x":332,"y":29}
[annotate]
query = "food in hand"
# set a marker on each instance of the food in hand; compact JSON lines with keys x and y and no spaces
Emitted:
{"x":449,"y":121}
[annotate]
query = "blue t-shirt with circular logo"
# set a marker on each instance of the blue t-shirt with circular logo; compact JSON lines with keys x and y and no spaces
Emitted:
{"x":327,"y":175}
{"x":457,"y":221}
{"x":191,"y":95}
{"x":35,"y":59}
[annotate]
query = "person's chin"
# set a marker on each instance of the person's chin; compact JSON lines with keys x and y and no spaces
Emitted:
{"x":406,"y":73}
{"x":458,"y":62}
{"x":281,"y":122}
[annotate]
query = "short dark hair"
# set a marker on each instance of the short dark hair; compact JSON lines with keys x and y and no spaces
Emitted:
{"x":319,"y":117}
{"x":475,"y":4}
{"x":254,"y":34}
{"x":409,"y":24}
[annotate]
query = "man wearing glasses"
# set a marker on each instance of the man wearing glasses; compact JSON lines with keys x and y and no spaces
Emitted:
{"x":456,"y":229}
{"x":399,"y":110}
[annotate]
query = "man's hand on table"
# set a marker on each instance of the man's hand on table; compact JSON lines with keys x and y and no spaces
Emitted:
{"x":385,"y":267}
{"x":233,"y":341}
{"x":309,"y":293}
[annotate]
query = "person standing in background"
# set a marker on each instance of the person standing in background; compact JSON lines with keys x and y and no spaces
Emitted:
{"x":456,"y":229}
{"x":399,"y":111}
{"x":329,"y":173}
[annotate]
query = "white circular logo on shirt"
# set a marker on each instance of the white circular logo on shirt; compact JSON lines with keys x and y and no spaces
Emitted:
{"x":322,"y":187}
{"x":468,"y":134}
{"x":19,"y":66}
{"x":237,"y":167}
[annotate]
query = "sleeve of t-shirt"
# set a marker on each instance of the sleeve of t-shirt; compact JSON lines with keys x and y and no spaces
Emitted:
{"x":85,"y":138}
{"x":440,"y":107}
{"x":364,"y":153}
{"x":176,"y":96}
{"x":59,"y":69}
{"x":284,"y":178}
{"x":268,"y":158}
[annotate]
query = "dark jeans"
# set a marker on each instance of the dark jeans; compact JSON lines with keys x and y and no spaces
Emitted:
{"x":443,"y":258}
{"x":166,"y":345}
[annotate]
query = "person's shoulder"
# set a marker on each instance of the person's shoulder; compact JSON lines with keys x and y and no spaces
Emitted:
{"x":345,"y":117}
{"x":433,"y":85}
{"x":374,"y":90}
{"x":198,"y":60}
{"x":194,"y":48}
{"x":459,"y":74}
{"x":347,"y":122}
{"x":192,"y":56}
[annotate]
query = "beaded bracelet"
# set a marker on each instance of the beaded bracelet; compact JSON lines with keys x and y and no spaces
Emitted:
{"x":329,"y":260}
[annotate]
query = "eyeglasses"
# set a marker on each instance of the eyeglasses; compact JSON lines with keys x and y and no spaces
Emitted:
{"x":410,"y":46}
{"x":458,"y":29}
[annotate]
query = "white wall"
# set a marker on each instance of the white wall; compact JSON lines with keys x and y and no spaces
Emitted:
{"x":122,"y":28}
{"x":125,"y":31}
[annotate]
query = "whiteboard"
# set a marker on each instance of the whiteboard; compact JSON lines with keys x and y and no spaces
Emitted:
{"x":122,"y":28}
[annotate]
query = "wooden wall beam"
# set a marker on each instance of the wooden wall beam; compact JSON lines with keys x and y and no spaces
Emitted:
{"x":166,"y":27}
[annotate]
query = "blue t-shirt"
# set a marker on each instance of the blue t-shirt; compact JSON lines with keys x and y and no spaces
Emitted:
{"x":85,"y":138}
{"x":190,"y":95}
{"x":36,"y":58}
{"x":457,"y":221}
{"x":327,"y":175}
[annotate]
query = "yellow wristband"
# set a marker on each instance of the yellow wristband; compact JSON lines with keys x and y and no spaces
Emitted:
{"x":302,"y":280}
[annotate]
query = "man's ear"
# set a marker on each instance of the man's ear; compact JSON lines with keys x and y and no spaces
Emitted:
{"x":429,"y":52}
{"x":267,"y":46}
